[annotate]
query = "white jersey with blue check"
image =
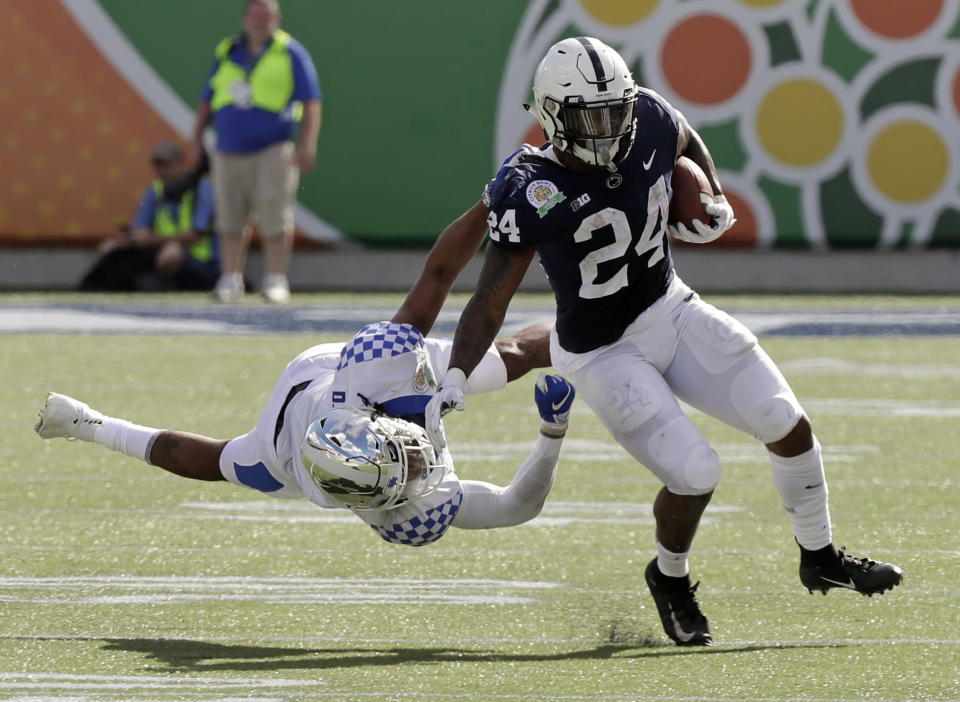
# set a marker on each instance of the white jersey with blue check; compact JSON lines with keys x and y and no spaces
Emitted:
{"x":391,"y":365}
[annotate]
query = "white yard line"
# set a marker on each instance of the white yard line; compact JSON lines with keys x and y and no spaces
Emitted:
{"x":183,"y":686}
{"x":110,"y":590}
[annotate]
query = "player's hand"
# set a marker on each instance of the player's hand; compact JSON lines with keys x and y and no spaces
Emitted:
{"x":722,"y":213}
{"x":554,"y":397}
{"x":449,"y":397}
{"x":722,"y":219}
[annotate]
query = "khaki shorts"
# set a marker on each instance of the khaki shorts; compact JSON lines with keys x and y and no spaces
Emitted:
{"x":261,"y":186}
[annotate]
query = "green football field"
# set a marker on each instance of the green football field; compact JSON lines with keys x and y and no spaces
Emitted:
{"x":122,"y":582}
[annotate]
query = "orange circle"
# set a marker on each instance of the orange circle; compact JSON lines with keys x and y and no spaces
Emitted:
{"x":956,"y":90}
{"x":706,"y":59}
{"x":744,"y":230}
{"x":897,"y":19}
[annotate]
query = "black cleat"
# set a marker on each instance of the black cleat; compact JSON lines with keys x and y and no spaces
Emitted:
{"x":679,"y":610}
{"x":863,"y":575}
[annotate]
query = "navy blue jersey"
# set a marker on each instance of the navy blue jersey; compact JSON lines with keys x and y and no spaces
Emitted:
{"x":601,"y":236}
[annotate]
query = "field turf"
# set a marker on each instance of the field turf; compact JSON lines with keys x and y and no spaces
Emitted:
{"x":119,"y":581}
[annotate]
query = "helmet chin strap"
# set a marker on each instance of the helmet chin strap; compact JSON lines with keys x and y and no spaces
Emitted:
{"x":605,"y":160}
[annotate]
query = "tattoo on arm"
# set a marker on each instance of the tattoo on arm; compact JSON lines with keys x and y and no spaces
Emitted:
{"x":482,"y":317}
{"x":188,"y":455}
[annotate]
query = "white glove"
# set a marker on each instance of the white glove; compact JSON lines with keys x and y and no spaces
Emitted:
{"x":449,"y":397}
{"x":722,"y":217}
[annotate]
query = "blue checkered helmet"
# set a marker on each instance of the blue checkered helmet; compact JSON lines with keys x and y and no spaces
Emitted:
{"x":369,"y":461}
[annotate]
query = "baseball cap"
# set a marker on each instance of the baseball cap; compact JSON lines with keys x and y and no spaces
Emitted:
{"x":166,"y":152}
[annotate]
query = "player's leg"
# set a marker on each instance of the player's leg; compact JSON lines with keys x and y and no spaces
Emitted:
{"x":638,"y":408}
{"x":186,"y":455}
{"x":720,"y":369}
{"x":274,"y":200}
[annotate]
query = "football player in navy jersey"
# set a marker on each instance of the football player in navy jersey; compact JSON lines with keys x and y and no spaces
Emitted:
{"x":593,"y":202}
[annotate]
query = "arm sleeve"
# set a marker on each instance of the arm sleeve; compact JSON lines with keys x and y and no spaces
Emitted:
{"x":147,"y":211}
{"x":489,"y":375}
{"x":486,"y":506}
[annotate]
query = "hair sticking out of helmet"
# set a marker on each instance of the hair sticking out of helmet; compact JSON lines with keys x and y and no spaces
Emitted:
{"x":368,"y":461}
{"x":584,"y":98}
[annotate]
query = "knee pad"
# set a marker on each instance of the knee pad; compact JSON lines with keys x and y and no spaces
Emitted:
{"x":773,"y":418}
{"x":765,"y":402}
{"x":686,"y":463}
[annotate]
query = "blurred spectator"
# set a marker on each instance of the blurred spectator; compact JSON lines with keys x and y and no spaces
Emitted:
{"x":171,"y":244}
{"x":262,"y":83}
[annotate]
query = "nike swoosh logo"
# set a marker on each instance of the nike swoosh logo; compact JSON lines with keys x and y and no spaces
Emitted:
{"x":558,"y":405}
{"x":678,"y":630}
{"x":849,"y":584}
{"x":811,"y":487}
{"x":649,"y":161}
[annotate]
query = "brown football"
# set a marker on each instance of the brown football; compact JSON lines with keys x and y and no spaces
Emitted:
{"x":689,"y":182}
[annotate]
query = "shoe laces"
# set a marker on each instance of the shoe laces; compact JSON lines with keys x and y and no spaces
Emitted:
{"x":864,"y":565}
{"x":685,"y":605}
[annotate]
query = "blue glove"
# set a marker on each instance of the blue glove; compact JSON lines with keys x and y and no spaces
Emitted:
{"x":554,"y":398}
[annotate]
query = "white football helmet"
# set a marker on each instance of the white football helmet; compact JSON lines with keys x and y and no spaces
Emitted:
{"x":585,"y":95}
{"x":367,"y":461}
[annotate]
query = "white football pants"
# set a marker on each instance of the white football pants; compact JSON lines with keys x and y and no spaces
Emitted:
{"x":684,"y":348}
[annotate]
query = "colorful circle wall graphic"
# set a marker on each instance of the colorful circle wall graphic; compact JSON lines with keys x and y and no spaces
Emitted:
{"x":619,"y":13}
{"x":908,"y":161}
{"x":800,"y":122}
{"x":689,"y":59}
{"x":788,"y":95}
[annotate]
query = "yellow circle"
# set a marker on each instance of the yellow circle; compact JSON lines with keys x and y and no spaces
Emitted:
{"x":800,"y":122}
{"x":908,"y":161}
{"x":619,"y":13}
{"x":761,"y":3}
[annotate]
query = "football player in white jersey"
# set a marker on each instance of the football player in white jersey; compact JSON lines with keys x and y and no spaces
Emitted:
{"x":593,"y":202}
{"x":369,"y":394}
{"x":343,"y":428}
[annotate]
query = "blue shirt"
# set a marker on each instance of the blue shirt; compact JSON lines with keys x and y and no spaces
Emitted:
{"x":246,"y":131}
{"x":203,"y":213}
{"x":600,"y":235}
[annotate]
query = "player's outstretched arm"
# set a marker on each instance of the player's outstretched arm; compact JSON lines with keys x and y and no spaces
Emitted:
{"x":451,"y":252}
{"x":186,"y":455}
{"x":481,"y":319}
{"x":529,"y":348}
{"x":485,"y":505}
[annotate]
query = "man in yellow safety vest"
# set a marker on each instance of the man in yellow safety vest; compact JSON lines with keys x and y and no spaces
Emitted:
{"x":171,"y":244}
{"x":261,"y":85}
